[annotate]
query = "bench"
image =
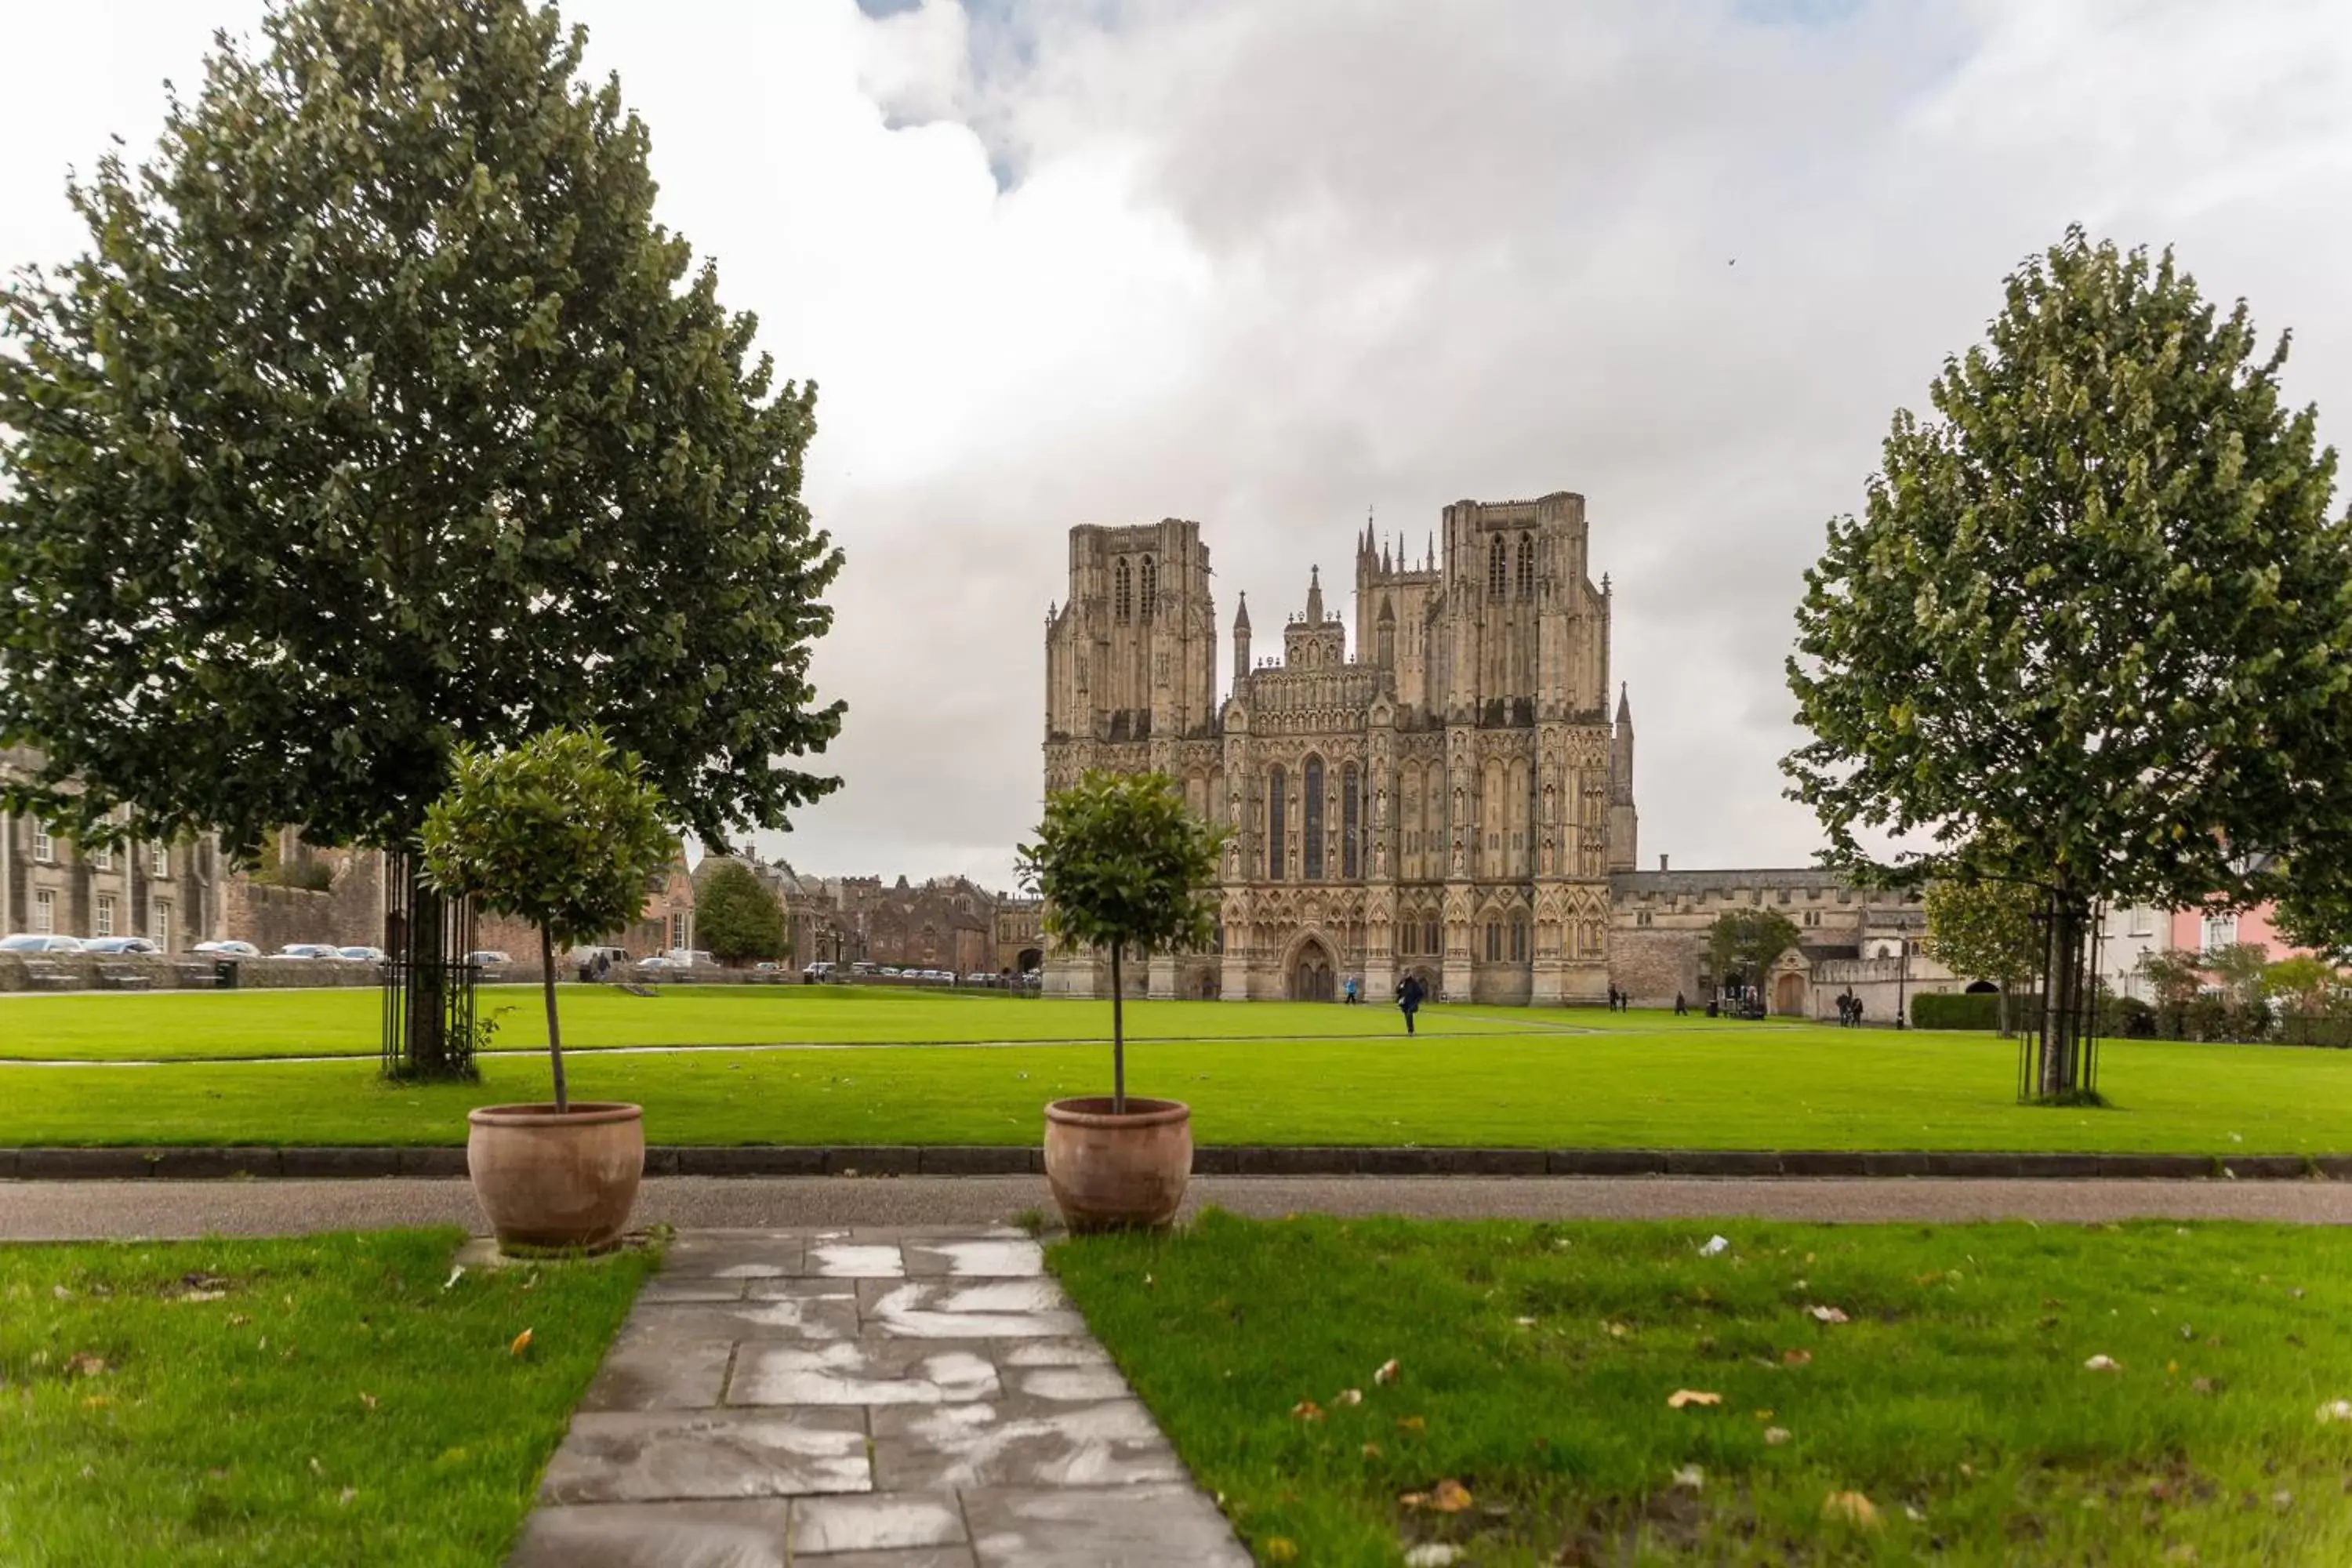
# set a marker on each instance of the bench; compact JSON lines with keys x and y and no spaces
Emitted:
{"x":123,"y":977}
{"x":196,"y":975}
{"x":46,"y":976}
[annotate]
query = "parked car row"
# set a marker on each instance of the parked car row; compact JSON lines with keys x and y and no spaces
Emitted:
{"x":824,"y":971}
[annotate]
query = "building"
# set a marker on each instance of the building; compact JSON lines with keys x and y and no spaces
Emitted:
{"x":1443,"y":794}
{"x":946,"y":922}
{"x":1019,"y":934}
{"x":175,"y":894}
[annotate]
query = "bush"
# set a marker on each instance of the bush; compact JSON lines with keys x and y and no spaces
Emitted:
{"x":1971,"y":1009}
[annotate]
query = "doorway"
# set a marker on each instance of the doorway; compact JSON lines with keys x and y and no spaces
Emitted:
{"x":1311,"y":973}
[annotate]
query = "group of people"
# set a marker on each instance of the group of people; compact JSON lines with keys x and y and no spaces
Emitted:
{"x":1620,"y":1001}
{"x":1849,"y":1011}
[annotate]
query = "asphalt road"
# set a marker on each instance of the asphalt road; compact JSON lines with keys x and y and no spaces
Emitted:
{"x":33,"y":1211}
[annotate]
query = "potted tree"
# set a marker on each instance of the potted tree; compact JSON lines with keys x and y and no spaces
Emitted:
{"x":1123,"y":868}
{"x":565,"y":832}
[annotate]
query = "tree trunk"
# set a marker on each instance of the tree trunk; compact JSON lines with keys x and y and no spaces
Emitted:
{"x":424,"y":1044}
{"x":1117,"y":1036}
{"x":555,"y":1035}
{"x":2062,"y":995}
{"x":2001,"y":1008}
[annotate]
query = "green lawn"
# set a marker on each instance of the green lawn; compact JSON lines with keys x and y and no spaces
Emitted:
{"x":1752,"y":1087}
{"x":298,"y":1402}
{"x":198,"y":1024}
{"x":1536,"y":1365}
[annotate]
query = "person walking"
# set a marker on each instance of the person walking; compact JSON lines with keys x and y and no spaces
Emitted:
{"x":1409,"y":999}
{"x":1682,"y":1008}
{"x":1352,"y":998}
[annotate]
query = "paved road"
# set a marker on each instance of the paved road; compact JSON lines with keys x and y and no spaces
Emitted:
{"x":69,"y":1210}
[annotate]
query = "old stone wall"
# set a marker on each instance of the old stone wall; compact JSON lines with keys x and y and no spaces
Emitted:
{"x":1654,"y":962}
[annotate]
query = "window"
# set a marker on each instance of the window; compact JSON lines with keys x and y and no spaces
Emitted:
{"x":159,"y":858}
{"x":1352,"y":815}
{"x":2140,"y":922}
{"x":1150,"y":586}
{"x":45,"y":912}
{"x":1642,"y":919}
{"x":1122,"y":599}
{"x":160,"y":928}
{"x":102,"y":856}
{"x":677,"y":927}
{"x":1429,"y":939}
{"x":102,"y":923}
{"x":2219,"y":931}
{"x":45,"y":846}
{"x":1518,"y":939}
{"x":1497,"y":566}
{"x":1276,"y":820}
{"x":1527,"y":567}
{"x":1493,"y":941}
{"x":1311,"y":800}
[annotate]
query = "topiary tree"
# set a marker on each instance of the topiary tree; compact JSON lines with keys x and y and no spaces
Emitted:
{"x":2089,"y":630}
{"x":562,"y":831}
{"x":1986,"y":930}
{"x":736,"y":917}
{"x":1125,"y":868}
{"x":1749,"y":943}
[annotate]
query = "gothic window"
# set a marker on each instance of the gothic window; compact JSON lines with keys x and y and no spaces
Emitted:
{"x":1497,"y":566}
{"x":1311,"y":802}
{"x":1122,"y":600}
{"x":1150,"y":586}
{"x":1275,"y":814}
{"x":1352,"y":817}
{"x":1493,"y":941}
{"x":1388,"y":644}
{"x":1406,"y":931}
{"x":1518,"y":939}
{"x":1527,"y":567}
{"x":1429,"y":938}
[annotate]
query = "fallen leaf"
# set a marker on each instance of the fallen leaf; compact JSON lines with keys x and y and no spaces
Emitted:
{"x":1387,"y":1373}
{"x":1775,"y":1436}
{"x":1451,"y":1497}
{"x":317,"y":1468}
{"x":1682,"y":1396}
{"x":96,"y":1401}
{"x":1797,"y":1358}
{"x":346,"y":1495}
{"x":1851,"y":1507}
{"x":1826,"y":1314}
{"x":1410,"y":1424}
{"x":1913,"y":1515}
{"x":238,"y":1320}
{"x":1690,"y":1478}
{"x":198,"y":1296}
{"x":1616,"y":1330}
{"x":1524,"y":1323}
{"x":2337,"y":1410}
{"x":521,"y":1344}
{"x":1281,"y":1549}
{"x":1372,"y":1450}
{"x":2102,"y":1363}
{"x":456,"y":1274}
{"x":1306,"y":1410}
{"x":1433,"y":1555}
{"x":1348,"y":1397}
{"x":367,"y":1399}
{"x":61,"y":1293}
{"x":81,"y":1363}
{"x":1717,"y":1245}
{"x":2202,"y":1385}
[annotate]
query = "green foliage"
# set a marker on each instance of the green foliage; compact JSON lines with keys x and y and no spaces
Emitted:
{"x":1984,"y":930}
{"x":2240,"y":970}
{"x":1748,"y":943}
{"x":2174,"y":975}
{"x":381,"y":416}
{"x":2308,"y":984}
{"x":736,"y":917}
{"x":1957,"y":1010}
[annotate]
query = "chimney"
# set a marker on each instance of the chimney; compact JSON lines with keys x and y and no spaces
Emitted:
{"x":1662,"y":862}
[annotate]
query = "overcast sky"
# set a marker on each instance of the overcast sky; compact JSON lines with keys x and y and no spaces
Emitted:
{"x":1268,"y":265}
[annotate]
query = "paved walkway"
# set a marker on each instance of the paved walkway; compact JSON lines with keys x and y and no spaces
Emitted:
{"x":865,"y":1398}
{"x":73,"y":1210}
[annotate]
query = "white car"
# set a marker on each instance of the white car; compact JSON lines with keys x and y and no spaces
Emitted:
{"x":308,"y":950}
{"x":363,"y":954}
{"x":34,"y":942}
{"x":228,"y":949}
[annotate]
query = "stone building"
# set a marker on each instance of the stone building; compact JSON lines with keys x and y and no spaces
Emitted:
{"x":1019,"y":934}
{"x":946,"y":922}
{"x":1445,"y":794}
{"x":173,"y":894}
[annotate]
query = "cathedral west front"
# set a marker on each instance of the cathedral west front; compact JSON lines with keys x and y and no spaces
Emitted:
{"x":1437,"y":790}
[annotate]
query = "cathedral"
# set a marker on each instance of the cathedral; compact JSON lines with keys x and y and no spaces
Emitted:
{"x":1438,"y":790}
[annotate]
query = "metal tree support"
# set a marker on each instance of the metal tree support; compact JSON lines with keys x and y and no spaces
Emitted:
{"x":428,"y":984}
{"x":2058,"y":1058}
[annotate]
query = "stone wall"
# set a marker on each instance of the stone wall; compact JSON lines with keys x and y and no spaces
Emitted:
{"x":350,"y":913}
{"x":1655,"y":962}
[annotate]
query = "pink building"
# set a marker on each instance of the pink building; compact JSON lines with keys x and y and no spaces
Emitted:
{"x":2198,"y":930}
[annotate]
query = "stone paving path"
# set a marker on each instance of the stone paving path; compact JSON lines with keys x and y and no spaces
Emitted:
{"x":864,"y":1398}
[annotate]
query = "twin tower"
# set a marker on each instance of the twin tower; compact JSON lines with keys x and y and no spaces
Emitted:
{"x":1440,"y":792}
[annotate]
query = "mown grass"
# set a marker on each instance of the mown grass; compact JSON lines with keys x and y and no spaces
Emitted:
{"x":1756,"y":1088}
{"x":298,"y":1402}
{"x":1536,"y":1363}
{"x":197,"y":1025}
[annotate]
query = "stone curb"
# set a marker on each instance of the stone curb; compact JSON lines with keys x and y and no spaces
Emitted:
{"x":226,"y":1164}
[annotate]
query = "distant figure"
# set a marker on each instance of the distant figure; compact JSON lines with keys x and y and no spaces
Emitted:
{"x":1613,"y":998}
{"x":1857,"y":1012}
{"x":1409,"y":998}
{"x":1681,"y":1006}
{"x":1845,"y":1010}
{"x":1352,"y":998}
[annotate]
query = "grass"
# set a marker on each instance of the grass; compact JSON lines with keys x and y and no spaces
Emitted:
{"x":203,"y":1025}
{"x":295,"y":1402}
{"x":1536,"y":1362}
{"x":1751,"y":1087}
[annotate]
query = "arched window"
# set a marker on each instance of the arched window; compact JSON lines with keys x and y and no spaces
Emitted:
{"x":1406,"y":931}
{"x":1150,"y":586}
{"x":1527,"y":567}
{"x":1497,"y":566}
{"x":1518,"y":939}
{"x":1122,"y":600}
{"x":1429,"y":939}
{"x":1276,"y":820}
{"x":1352,"y":818}
{"x":1311,"y":801}
{"x":1493,"y":941}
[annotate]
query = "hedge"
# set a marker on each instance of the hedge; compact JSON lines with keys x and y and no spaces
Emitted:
{"x":1969,"y":1009}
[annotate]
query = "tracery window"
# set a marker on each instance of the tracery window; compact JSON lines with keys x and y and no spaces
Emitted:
{"x":1150,"y":586}
{"x":1527,"y":567}
{"x":1313,"y":803}
{"x":1351,"y":812}
{"x":1497,"y":566}
{"x":1493,"y":941}
{"x":1276,"y":813}
{"x":1429,"y":938}
{"x":1518,"y":939}
{"x":1122,"y":602}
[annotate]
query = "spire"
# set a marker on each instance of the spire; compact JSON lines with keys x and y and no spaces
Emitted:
{"x":1241,"y":614}
{"x":1431,"y":565}
{"x":1624,"y":706}
{"x":1384,"y":555}
{"x":1314,"y":596}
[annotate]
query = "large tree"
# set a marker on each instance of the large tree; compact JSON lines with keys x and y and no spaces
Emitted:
{"x":1986,"y":930}
{"x":2091,"y":630}
{"x":381,"y":416}
{"x":736,"y":917}
{"x":1748,"y":943}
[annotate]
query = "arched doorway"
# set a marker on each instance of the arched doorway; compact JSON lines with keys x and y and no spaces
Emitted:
{"x":1031,"y":959}
{"x":1789,"y":995}
{"x":1311,"y":972}
{"x":1983,"y":988}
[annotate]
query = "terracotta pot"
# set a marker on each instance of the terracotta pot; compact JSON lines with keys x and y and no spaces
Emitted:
{"x":1119,"y":1173}
{"x":551,"y":1180}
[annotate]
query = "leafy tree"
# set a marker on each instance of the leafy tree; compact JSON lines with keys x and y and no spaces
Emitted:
{"x":2313,"y":985}
{"x":2240,"y":970}
{"x":1122,"y":866}
{"x":1986,"y":930}
{"x":380,"y":417}
{"x":2175,"y":976}
{"x":562,"y":831}
{"x":1748,"y":943}
{"x":738,"y":919}
{"x":2088,"y":632}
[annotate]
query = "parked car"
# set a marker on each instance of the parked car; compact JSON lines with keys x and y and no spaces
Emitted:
{"x":30,"y":941}
{"x":228,"y":949}
{"x":307,"y":949}
{"x":862,"y":968}
{"x":979,"y":980}
{"x":767,"y":966}
{"x":663,"y":961}
{"x":579,"y":956}
{"x":365,"y":954}
{"x":691,"y":958}
{"x":137,"y":946}
{"x":819,"y":970}
{"x":488,"y":959}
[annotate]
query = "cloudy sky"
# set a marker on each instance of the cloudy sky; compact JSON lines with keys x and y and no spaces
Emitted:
{"x":1270,"y":265}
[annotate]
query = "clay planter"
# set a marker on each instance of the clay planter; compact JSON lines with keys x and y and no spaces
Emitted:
{"x":549,"y":1180}
{"x":1119,"y":1173}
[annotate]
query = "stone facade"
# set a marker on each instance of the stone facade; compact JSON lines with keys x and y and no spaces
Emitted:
{"x":1447,"y":798}
{"x":947,"y":922}
{"x":1019,"y":934}
{"x":175,"y":894}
